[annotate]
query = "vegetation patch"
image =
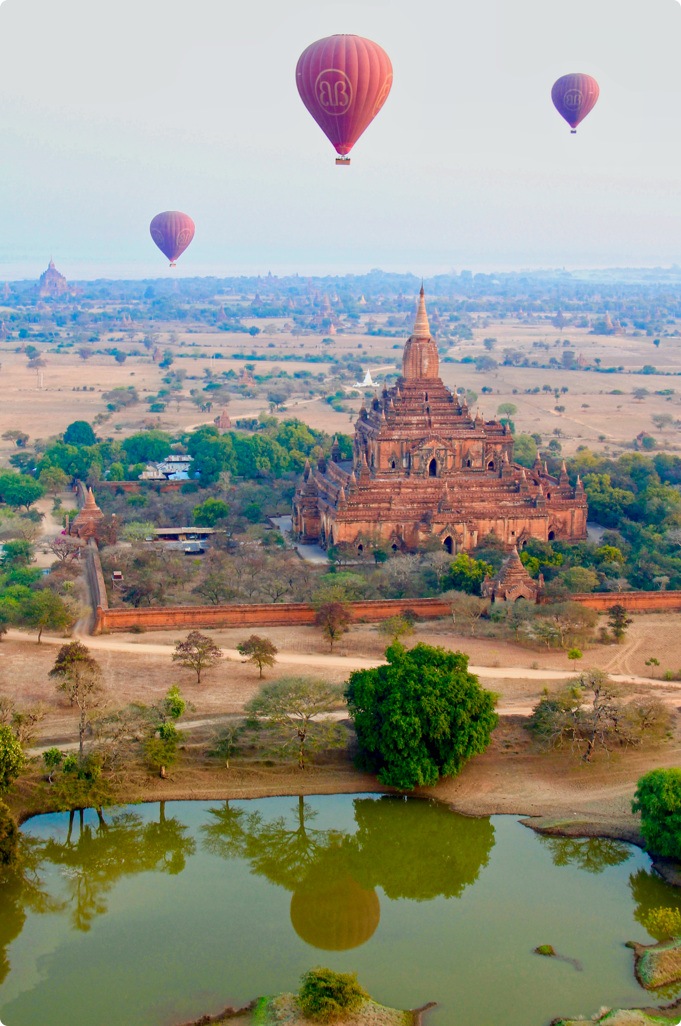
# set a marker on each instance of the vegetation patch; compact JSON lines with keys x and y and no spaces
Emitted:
{"x":657,"y":965}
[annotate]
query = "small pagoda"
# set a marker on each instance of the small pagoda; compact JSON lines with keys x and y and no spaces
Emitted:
{"x":86,"y":524}
{"x":512,"y":582}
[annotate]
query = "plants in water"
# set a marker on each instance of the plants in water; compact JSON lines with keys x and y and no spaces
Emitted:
{"x":325,"y":995}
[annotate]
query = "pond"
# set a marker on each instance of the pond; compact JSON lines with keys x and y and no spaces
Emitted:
{"x":155,"y":914}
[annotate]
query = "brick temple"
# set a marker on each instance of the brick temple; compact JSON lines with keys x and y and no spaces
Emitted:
{"x":425,"y":468}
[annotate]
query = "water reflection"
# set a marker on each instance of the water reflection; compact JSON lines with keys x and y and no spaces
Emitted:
{"x":424,"y":852}
{"x":592,"y":854}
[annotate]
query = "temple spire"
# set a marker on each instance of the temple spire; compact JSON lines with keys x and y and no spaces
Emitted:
{"x":421,"y":325}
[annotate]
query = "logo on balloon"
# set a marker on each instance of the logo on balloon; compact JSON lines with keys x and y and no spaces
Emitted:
{"x":333,"y":90}
{"x":383,"y":95}
{"x":185,"y":237}
{"x":157,"y":236}
{"x":573,"y":99}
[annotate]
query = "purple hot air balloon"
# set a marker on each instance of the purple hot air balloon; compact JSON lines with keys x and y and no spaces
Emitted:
{"x":573,"y":97}
{"x":172,"y":231}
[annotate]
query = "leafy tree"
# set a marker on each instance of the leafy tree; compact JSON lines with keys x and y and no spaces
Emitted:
{"x":259,"y":651}
{"x":198,"y":653}
{"x":79,"y":433}
{"x":52,"y":758}
{"x":161,"y":748}
{"x":420,"y":717}
{"x":658,"y":799}
{"x":16,"y":553}
{"x":664,"y":923}
{"x":619,"y":621}
{"x":507,"y":409}
{"x":292,"y":706}
{"x":79,"y":678}
{"x":20,"y":490}
{"x":466,"y":574}
{"x":326,"y":995}
{"x":9,"y":847}
{"x":45,"y":610}
{"x":396,"y":627}
{"x":210,"y":511}
{"x":334,"y":618}
{"x":53,"y":479}
{"x":574,"y":654}
{"x":12,"y":759}
{"x":147,"y":447}
{"x":525,"y":450}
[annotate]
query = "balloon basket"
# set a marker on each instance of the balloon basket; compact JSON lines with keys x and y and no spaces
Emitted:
{"x":173,"y":264}
{"x":573,"y":131}
{"x":343,"y":161}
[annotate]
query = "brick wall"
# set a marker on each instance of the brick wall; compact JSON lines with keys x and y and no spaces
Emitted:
{"x":275,"y":614}
{"x":272,"y":614}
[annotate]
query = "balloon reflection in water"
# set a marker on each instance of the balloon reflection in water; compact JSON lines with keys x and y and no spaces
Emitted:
{"x":422,"y":852}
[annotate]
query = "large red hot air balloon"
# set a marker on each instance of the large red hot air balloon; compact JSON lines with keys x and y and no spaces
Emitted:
{"x":172,"y":231}
{"x":344,"y":81}
{"x":573,"y":97}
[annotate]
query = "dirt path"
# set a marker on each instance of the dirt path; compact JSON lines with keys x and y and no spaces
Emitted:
{"x":319,"y":661}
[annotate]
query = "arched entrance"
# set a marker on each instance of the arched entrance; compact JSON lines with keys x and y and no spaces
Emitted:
{"x":432,"y":468}
{"x":448,"y":545}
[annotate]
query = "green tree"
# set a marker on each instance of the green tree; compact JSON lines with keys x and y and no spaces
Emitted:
{"x":161,"y":748}
{"x":16,"y":553}
{"x":258,"y":651}
{"x":507,"y":409}
{"x":12,"y":759}
{"x":619,"y":621}
{"x":53,"y":479}
{"x":420,"y":717}
{"x":45,"y":610}
{"x":210,"y":511}
{"x":292,"y":707}
{"x":658,"y":799}
{"x":79,"y":678}
{"x":574,"y":654}
{"x":466,"y":574}
{"x":396,"y":627}
{"x":525,"y":450}
{"x":198,"y":653}
{"x":52,"y":758}
{"x":20,"y":490}
{"x":79,"y":433}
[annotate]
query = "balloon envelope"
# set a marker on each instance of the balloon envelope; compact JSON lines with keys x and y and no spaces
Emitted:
{"x":344,"y":81}
{"x":172,"y":231}
{"x":574,"y":96}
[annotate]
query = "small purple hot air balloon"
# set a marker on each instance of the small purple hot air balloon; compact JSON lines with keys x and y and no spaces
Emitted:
{"x":172,"y":231}
{"x":573,"y":97}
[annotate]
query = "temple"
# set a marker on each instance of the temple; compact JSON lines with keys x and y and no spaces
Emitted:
{"x":52,"y":283}
{"x":425,"y":469}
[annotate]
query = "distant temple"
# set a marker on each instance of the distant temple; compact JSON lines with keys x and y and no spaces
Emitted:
{"x":86,"y":524}
{"x":52,"y":283}
{"x":425,"y":469}
{"x":223,"y":422}
{"x":512,"y":582}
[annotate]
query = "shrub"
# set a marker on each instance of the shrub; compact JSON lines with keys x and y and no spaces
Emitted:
{"x":325,"y":995}
{"x":658,"y":799}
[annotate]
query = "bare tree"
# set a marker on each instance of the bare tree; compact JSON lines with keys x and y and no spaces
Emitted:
{"x":292,"y":706}
{"x":79,"y":676}
{"x":197,"y":652}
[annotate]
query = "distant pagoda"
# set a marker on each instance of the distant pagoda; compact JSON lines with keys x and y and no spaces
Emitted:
{"x":52,"y":283}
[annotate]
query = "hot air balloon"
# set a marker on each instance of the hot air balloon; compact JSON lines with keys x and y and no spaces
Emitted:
{"x":172,"y":231}
{"x":573,"y":97}
{"x":344,"y":81}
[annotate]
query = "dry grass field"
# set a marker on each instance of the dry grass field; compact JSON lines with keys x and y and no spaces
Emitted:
{"x":592,"y":416}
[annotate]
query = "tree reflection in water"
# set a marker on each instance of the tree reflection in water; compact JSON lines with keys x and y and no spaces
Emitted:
{"x":592,"y":854}
{"x":411,"y":848}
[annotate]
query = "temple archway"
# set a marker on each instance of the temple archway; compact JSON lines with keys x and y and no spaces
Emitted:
{"x":448,"y":545}
{"x":490,"y":465}
{"x":432,"y":468}
{"x":552,"y":535}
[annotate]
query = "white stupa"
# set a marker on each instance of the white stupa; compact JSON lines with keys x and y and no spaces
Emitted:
{"x":367,"y":383}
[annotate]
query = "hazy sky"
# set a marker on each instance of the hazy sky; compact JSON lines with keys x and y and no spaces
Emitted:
{"x":114,"y":111}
